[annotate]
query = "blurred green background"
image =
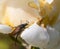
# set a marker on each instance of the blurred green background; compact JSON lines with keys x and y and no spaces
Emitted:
{"x":6,"y":42}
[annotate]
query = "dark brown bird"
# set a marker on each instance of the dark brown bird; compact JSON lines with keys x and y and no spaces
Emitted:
{"x":17,"y":31}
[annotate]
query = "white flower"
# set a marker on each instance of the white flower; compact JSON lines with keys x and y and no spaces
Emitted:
{"x":41,"y":37}
{"x":36,"y":36}
{"x":5,"y":29}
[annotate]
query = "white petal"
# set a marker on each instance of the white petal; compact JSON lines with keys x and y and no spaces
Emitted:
{"x":49,"y":1}
{"x":36,"y":36}
{"x":5,"y":29}
{"x":54,"y":37}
